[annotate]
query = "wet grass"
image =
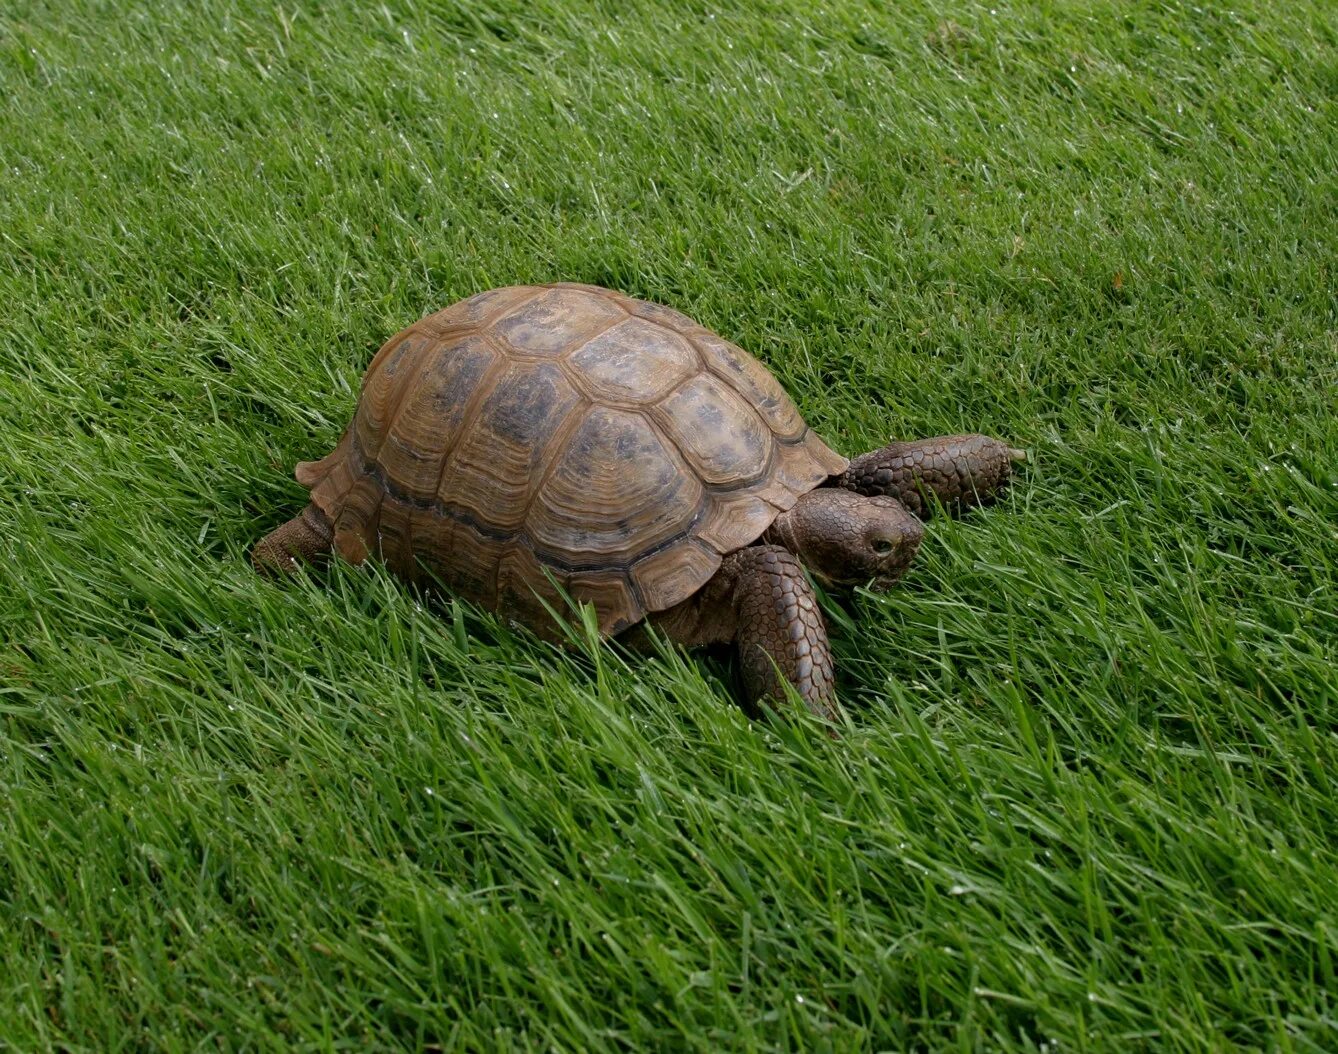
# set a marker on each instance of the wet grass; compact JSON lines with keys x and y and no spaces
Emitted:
{"x":1087,"y":798}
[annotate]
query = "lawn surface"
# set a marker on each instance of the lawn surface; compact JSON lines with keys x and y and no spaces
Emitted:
{"x":1087,"y":798}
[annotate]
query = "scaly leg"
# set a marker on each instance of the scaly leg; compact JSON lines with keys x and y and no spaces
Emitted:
{"x":306,"y":537}
{"x":779,"y":630}
{"x":962,"y":471}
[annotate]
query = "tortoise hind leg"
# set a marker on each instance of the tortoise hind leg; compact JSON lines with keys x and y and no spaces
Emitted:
{"x":306,"y":537}
{"x":961,"y":471}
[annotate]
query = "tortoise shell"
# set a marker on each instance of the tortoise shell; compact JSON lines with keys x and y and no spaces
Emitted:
{"x":537,"y":437}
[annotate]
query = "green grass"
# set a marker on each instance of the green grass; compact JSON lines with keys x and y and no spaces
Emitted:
{"x":1087,"y":800}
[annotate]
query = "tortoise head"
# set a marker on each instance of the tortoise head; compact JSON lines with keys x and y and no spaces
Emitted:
{"x":845,"y":538}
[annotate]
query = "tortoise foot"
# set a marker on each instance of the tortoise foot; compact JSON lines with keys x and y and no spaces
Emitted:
{"x":305,"y":538}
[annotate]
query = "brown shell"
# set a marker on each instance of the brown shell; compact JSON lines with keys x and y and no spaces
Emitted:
{"x":566,"y":436}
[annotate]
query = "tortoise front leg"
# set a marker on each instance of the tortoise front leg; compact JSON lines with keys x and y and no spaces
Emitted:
{"x":779,"y":630}
{"x":306,"y":537}
{"x":962,"y":470}
{"x":760,"y":600}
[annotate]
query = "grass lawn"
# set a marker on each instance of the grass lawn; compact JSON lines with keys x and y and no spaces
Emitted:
{"x":1088,"y":797}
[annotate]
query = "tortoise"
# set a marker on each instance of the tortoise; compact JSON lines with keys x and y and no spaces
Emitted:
{"x":537,"y":445}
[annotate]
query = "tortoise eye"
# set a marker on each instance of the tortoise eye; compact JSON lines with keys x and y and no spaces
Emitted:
{"x":882,"y":546}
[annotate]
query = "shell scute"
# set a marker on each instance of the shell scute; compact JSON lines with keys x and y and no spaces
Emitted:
{"x":753,"y":381}
{"x":392,"y":370}
{"x":615,"y":491}
{"x":471,"y":562}
{"x":492,"y":471}
{"x":676,"y":571}
{"x":556,"y":320}
{"x":733,"y":520}
{"x":717,"y":431}
{"x":432,"y":413}
{"x":633,"y":361}
{"x":662,"y":316}
{"x":480,"y":309}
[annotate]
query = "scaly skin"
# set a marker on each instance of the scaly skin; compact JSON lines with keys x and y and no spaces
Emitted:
{"x":307,"y":538}
{"x":962,"y":471}
{"x":846,"y":538}
{"x":779,"y":630}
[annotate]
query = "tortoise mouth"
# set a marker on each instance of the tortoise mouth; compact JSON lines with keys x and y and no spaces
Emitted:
{"x":886,"y":582}
{"x":879,"y":581}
